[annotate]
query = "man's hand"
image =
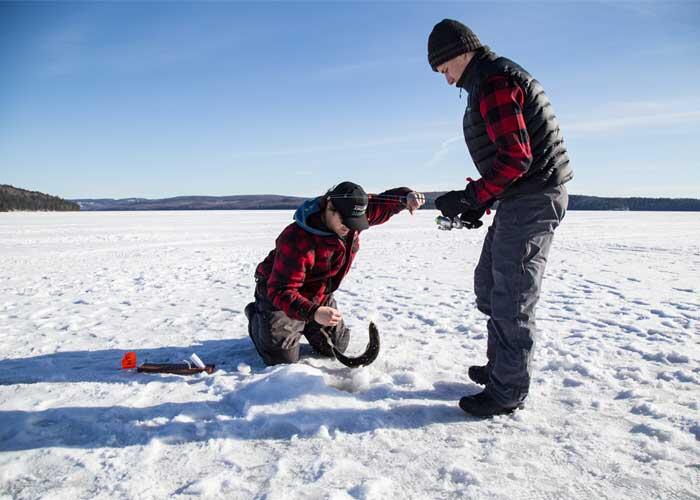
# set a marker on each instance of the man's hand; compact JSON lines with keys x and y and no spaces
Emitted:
{"x":327,"y":316}
{"x":453,"y":203}
{"x":414,"y":201}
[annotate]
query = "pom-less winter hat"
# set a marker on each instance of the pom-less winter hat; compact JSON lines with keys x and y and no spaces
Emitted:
{"x":449,"y":39}
{"x":350,"y":200}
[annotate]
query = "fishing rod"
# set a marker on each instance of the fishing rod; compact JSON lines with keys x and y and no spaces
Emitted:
{"x":444,"y":223}
{"x":381,"y":197}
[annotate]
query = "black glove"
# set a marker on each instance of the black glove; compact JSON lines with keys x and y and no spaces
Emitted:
{"x":471,"y":218}
{"x":453,"y":203}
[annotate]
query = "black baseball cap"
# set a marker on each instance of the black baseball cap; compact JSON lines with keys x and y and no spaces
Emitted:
{"x":350,"y":200}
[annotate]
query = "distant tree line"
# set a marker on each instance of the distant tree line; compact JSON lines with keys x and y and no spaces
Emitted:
{"x":581,"y":202}
{"x":12,"y":198}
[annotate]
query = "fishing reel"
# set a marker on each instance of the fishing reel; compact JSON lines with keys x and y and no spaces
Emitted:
{"x":449,"y":223}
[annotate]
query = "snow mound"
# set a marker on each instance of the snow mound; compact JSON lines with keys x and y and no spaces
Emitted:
{"x":279,"y":387}
{"x":290,"y":400}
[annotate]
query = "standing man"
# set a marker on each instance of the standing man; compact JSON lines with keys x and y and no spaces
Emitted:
{"x":514,"y":140}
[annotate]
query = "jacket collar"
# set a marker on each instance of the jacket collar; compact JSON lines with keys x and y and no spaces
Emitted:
{"x":471,"y":73}
{"x":305,"y":211}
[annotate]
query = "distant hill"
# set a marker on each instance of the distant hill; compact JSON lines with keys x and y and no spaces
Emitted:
{"x":12,"y":198}
{"x":240,"y":202}
{"x":276,"y":202}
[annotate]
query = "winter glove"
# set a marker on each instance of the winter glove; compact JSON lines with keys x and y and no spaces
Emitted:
{"x":454,"y":203}
{"x":471,"y":218}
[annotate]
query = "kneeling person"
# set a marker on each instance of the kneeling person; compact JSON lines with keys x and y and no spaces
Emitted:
{"x":295,"y":283}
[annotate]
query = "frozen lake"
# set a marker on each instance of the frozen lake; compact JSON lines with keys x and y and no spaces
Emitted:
{"x":614,"y":410}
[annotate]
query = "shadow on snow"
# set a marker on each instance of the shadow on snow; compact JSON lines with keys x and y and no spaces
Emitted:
{"x":104,"y":366}
{"x":176,"y":423}
{"x":172,"y":423}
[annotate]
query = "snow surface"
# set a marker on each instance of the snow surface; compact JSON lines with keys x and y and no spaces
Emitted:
{"x":613,"y":410}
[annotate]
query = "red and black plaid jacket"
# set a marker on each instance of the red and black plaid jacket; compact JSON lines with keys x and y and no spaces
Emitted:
{"x":501,"y":105}
{"x":305,"y":268}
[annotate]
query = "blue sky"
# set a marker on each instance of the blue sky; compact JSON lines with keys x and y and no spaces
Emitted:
{"x":164,"y":99}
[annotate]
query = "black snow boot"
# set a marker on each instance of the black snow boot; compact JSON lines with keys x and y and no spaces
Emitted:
{"x":483,"y":405}
{"x":479,"y":374}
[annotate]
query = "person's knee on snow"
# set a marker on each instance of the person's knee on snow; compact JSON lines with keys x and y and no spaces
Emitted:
{"x":275,"y":336}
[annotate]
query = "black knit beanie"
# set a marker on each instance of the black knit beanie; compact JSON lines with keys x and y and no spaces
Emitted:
{"x":449,"y":39}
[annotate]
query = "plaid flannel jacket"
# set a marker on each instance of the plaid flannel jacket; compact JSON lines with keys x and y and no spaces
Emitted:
{"x":501,"y":105}
{"x":304,"y":269}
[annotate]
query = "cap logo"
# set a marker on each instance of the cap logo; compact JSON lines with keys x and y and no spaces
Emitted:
{"x":358,"y":210}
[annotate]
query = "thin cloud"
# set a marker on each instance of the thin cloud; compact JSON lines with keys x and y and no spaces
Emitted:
{"x":79,"y":47}
{"x":442,"y":151}
{"x":611,"y":124}
{"x":660,"y":106}
{"x":670,"y":49}
{"x":344,"y":70}
{"x":62,"y":50}
{"x":348,"y":146}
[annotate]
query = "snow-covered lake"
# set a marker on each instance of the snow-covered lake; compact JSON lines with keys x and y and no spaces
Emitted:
{"x":614,"y":410}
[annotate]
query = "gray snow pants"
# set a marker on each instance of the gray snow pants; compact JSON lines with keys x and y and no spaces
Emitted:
{"x":507,"y":283}
{"x":276,"y":336}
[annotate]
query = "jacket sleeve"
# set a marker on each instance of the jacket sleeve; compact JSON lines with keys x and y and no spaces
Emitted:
{"x":294,"y":257}
{"x":501,"y":105}
{"x":381,"y":207}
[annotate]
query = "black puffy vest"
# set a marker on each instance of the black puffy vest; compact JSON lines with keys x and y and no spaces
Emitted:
{"x":550,"y":162}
